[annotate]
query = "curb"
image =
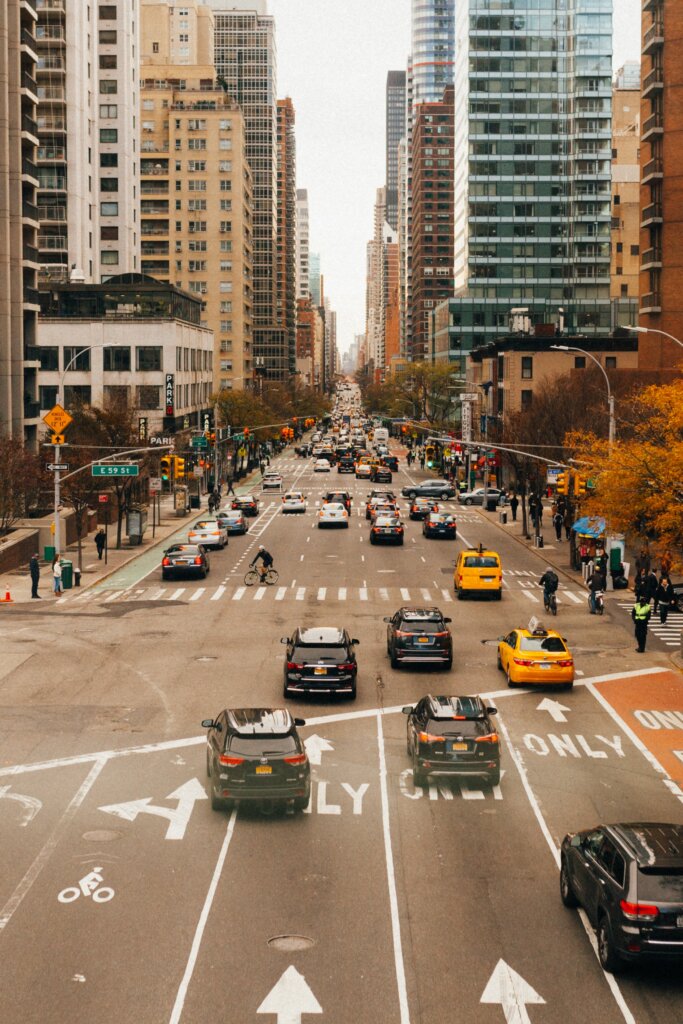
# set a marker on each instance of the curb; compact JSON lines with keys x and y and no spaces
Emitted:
{"x":534,"y":551}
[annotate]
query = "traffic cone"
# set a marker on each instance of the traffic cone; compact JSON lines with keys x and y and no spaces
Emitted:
{"x":7,"y":598}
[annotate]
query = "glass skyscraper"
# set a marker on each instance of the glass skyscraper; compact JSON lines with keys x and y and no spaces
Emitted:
{"x":432,"y":48}
{"x":395,"y":130}
{"x":532,"y":177}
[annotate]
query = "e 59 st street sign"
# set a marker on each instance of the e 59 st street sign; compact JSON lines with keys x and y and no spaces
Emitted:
{"x":115,"y":470}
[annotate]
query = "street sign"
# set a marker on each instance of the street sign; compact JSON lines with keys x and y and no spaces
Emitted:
{"x":103,"y":498}
{"x":469,"y":398}
{"x":199,"y":442}
{"x":57,"y":419}
{"x":198,"y":472}
{"x":115,"y":470}
{"x":155,"y":485}
{"x":58,"y":467}
{"x":57,"y":439}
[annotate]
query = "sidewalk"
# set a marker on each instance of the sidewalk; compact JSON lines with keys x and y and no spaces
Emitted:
{"x":18,"y":582}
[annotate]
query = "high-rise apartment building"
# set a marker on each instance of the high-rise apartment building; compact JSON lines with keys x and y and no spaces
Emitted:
{"x":286,"y":225}
{"x":18,"y":221}
{"x":315,"y":278}
{"x":432,"y":215}
{"x":532,"y":178}
{"x":394,"y":132}
{"x":432,"y":48}
{"x":88,"y":164}
{"x":245,"y":59}
{"x":661,"y":240}
{"x":625,"y":268}
{"x":302,"y":243}
{"x":195,"y":183}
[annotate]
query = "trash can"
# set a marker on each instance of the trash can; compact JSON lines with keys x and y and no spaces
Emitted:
{"x":503,"y":517}
{"x":77,"y":577}
{"x":538,"y":541}
{"x":491,"y":502}
{"x":67,"y":574}
{"x":49,"y":552}
{"x":195,"y":501}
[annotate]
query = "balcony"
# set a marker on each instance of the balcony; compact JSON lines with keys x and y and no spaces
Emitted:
{"x":653,"y":5}
{"x":51,"y":63}
{"x":52,"y":124}
{"x":153,"y":190}
{"x":52,"y":183}
{"x":31,"y":297}
{"x":29,"y":82}
{"x":653,"y":170}
{"x":654,"y":125}
{"x":150,"y":210}
{"x":28,"y":39}
{"x":654,"y":37}
{"x":652,"y":215}
{"x":30,"y":253}
{"x":51,"y":154}
{"x":49,"y":5}
{"x":149,"y":170}
{"x":52,"y":213}
{"x":155,"y":249}
{"x":161,"y":230}
{"x":652,"y":83}
{"x":52,"y":242}
{"x":651,"y":259}
{"x":30,"y":125}
{"x":29,"y":168}
{"x":29,"y":211}
{"x":651,"y":303}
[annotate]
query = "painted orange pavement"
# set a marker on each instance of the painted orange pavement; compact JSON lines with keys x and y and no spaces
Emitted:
{"x":652,"y":706}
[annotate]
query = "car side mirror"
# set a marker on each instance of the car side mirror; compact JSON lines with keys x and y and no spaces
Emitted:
{"x":492,"y":711}
{"x":407,"y":710}
{"x":208,"y":723}
{"x":299,"y":721}
{"x":448,"y":620}
{"x":354,"y":641}
{"x":284,"y":639}
{"x":576,"y":842}
{"x":386,"y":619}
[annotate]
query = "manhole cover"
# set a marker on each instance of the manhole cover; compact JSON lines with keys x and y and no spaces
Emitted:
{"x":291,"y":943}
{"x":102,"y":835}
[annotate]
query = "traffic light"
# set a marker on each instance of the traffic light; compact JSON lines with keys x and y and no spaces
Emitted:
{"x":579,"y":485}
{"x":563,"y":483}
{"x":429,"y":455}
{"x":246,"y":433}
{"x":166,"y":468}
{"x":179,"y":468}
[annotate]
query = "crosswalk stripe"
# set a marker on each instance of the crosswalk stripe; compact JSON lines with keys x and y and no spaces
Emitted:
{"x":239,"y":593}
{"x":113,"y":596}
{"x":405,"y":594}
{"x":532,"y":597}
{"x":198,"y":593}
{"x":363,"y":594}
{"x":260,"y":594}
{"x":572,"y":597}
{"x":426,"y":594}
{"x":384,"y":593}
{"x":342,"y":593}
{"x":300,"y":593}
{"x":218,"y":595}
{"x":446,"y":596}
{"x":177,"y":594}
{"x":157,"y":594}
{"x":322,"y":591}
{"x":281,"y":591}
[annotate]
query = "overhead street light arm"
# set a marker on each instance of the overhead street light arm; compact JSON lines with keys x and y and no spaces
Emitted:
{"x":653,"y":330}
{"x":610,"y":398}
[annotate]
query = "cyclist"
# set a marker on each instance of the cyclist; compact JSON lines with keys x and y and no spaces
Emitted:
{"x":266,"y":558}
{"x":550,"y":582}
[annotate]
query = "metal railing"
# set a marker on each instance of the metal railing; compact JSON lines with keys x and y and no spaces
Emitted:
{"x":652,"y":212}
{"x":653,"y":123}
{"x":656,"y":77}
{"x":651,"y":301}
{"x":651,"y":256}
{"x":655,"y":166}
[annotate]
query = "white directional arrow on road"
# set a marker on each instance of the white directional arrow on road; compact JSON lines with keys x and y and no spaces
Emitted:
{"x":508,"y":989}
{"x":315,"y":746}
{"x":289,"y":998}
{"x":178,"y":817}
{"x":554,"y":708}
{"x":31,"y":804}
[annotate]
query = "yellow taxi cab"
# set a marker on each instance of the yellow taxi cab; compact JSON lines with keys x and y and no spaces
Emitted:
{"x":535,"y":656}
{"x":478,"y":571}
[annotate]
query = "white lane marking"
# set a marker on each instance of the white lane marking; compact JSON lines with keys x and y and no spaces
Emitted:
{"x":260,"y":593}
{"x":446,"y":596}
{"x":239,"y":593}
{"x":301,"y":593}
{"x":532,"y":597}
{"x":384,"y":593}
{"x":423,"y":558}
{"x":322,"y":591}
{"x":42,"y":858}
{"x":281,"y":591}
{"x":538,"y":814}
{"x":363,"y":594}
{"x":572,"y":597}
{"x":218,"y":595}
{"x":391,"y":880}
{"x":112,"y":597}
{"x":301,"y":559}
{"x":199,"y":592}
{"x":405,"y":594}
{"x":156,"y":595}
{"x":426,"y":594}
{"x":341,"y":596}
{"x":177,"y":594}
{"x":201,"y":924}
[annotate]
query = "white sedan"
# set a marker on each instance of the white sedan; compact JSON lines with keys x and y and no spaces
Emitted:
{"x":293,"y":501}
{"x":321,"y":466}
{"x":209,"y":533}
{"x":333,"y":514}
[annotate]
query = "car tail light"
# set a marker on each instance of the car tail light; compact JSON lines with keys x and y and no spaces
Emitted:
{"x":524,"y":662}
{"x":198,"y":560}
{"x":459,"y":578}
{"x":425,"y":737}
{"x":230,"y":762}
{"x":402,"y":632}
{"x":348,"y":666}
{"x":292,"y":666}
{"x":566,"y":663}
{"x":491,"y":737}
{"x":296,"y":759}
{"x":166,"y":561}
{"x":444,"y":633}
{"x":639,"y":911}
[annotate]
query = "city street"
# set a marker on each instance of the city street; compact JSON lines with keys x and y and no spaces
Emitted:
{"x":383,"y":903}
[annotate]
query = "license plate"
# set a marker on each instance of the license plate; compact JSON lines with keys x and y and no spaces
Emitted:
{"x":320,"y":671}
{"x":264,"y":769}
{"x":458,"y":746}
{"x":487,"y":579}
{"x":545,"y":664}
{"x":423,"y":639}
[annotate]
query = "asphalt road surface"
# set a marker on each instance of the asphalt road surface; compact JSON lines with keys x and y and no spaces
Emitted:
{"x":124,"y":897}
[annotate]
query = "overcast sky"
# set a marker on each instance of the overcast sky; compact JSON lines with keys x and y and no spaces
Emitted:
{"x":334,"y":67}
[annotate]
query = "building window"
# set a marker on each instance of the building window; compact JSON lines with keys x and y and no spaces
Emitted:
{"x":527,"y":399}
{"x":49,"y":358}
{"x":108,"y":37}
{"x":109,"y":233}
{"x":620,"y":246}
{"x":109,"y":184}
{"x":116,"y":395}
{"x":116,"y":359}
{"x":226,"y":205}
{"x":109,"y":257}
{"x":108,"y":61}
{"x":47,"y":396}
{"x":624,"y":290}
{"x":76,"y":358}
{"x":109,"y":159}
{"x":148,"y":396}
{"x":107,"y":12}
{"x":155,"y":47}
{"x":617,"y":200}
{"x":109,"y":110}
{"x":579,"y":362}
{"x":108,"y":86}
{"x":527,"y":367}
{"x":610,"y":362}
{"x":148,"y":358}
{"x":77,"y":394}
{"x":109,"y":209}
{"x":109,"y":135}
{"x":635,"y":250}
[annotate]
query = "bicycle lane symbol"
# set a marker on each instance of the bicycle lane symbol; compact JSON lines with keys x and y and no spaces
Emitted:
{"x":89,"y":885}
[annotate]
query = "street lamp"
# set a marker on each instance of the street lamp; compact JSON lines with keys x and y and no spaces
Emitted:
{"x":610,"y":396}
{"x":652,"y":330}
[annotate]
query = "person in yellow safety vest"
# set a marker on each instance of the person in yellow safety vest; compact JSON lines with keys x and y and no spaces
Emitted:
{"x":640,"y":613}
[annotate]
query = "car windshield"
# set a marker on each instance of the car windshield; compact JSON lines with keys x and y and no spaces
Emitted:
{"x":481,"y":562}
{"x":542,"y":644}
{"x":262,"y":746}
{"x":422,"y":626}
{"x":323,"y":652}
{"x":451,"y":727}
{"x":333,"y":506}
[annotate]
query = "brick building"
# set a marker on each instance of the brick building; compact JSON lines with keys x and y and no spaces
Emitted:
{"x":625,"y":229}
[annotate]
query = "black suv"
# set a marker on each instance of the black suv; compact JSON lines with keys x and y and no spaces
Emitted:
{"x":256,"y":754}
{"x":629,"y":880}
{"x":453,"y":736}
{"x":346,"y":464}
{"x":320,"y":661}
{"x":419,"y":635}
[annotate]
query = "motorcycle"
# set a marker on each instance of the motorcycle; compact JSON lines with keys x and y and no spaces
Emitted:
{"x":596,"y":602}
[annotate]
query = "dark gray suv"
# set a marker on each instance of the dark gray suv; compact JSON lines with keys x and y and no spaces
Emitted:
{"x":443,"y":489}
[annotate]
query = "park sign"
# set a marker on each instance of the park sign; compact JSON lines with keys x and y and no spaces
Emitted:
{"x":114,"y":470}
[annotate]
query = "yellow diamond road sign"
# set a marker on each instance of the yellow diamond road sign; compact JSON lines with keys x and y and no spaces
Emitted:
{"x":57,"y":419}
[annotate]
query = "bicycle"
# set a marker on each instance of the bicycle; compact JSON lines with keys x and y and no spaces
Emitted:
{"x":550,"y":602}
{"x":266,"y":578}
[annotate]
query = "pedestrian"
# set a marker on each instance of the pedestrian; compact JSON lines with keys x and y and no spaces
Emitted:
{"x":643,"y":560}
{"x":57,"y":574}
{"x":422,"y":458}
{"x":567,"y":522}
{"x":640,"y":613}
{"x":651,"y":588}
{"x":229,"y":488}
{"x":211,"y":502}
{"x":262,"y":466}
{"x":558,"y":520}
{"x":640,"y":584}
{"x":100,"y":542}
{"x":514,"y":505}
{"x":34,"y":569}
{"x":665,"y":598}
{"x":533,"y":506}
{"x":217,"y":497}
{"x":561,"y":504}
{"x":539,"y":512}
